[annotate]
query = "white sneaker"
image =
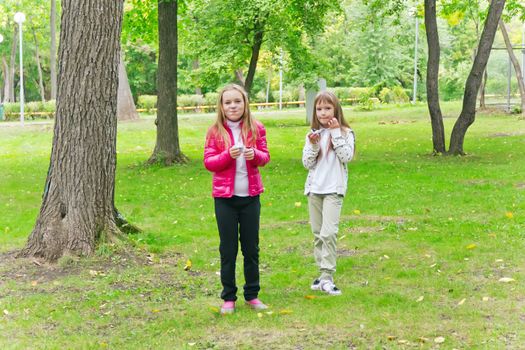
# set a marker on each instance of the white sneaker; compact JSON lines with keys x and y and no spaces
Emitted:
{"x":316,"y":284}
{"x":329,"y":288}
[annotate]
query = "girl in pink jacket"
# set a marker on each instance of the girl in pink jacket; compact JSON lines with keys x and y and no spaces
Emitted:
{"x":235,"y":148}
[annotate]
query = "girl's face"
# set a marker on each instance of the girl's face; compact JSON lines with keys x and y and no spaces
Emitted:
{"x":233,"y":105}
{"x":324,"y":112}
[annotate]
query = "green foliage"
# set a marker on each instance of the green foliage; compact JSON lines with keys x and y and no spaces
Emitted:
{"x":147,"y":101}
{"x":395,"y":95}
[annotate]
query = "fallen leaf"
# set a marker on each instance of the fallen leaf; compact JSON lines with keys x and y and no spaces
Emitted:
{"x":340,"y":238}
{"x":93,"y":273}
{"x":462,"y":301}
{"x":269,"y":312}
{"x":192,"y":344}
{"x":34,"y":283}
{"x":422,"y":339}
{"x":187,"y":267}
{"x":486,"y":298}
{"x":402,"y":341}
{"x":285,"y":312}
{"x":214,"y":309}
{"x":471,"y":246}
{"x":506,"y":279}
{"x":155,"y":310}
{"x":439,"y":340}
{"x":391,"y":337}
{"x":498,"y":260}
{"x":509,"y":215}
{"x":420,"y":299}
{"x":309,"y":296}
{"x":260,"y":315}
{"x":6,"y":312}
{"x":357,"y":211}
{"x":297,"y":204}
{"x":386,"y":256}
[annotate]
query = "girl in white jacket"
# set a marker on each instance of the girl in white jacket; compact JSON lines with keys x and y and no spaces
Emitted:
{"x":327,"y":150}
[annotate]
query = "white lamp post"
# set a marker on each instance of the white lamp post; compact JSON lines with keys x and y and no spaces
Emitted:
{"x":20,"y":18}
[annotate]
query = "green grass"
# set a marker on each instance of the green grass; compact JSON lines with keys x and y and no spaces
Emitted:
{"x":413,"y":225}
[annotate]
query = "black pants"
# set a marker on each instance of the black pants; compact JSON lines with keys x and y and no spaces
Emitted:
{"x":238,"y":219}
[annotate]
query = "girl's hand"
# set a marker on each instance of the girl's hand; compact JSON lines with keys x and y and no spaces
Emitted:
{"x":333,"y":124}
{"x":249,"y":153}
{"x":235,"y":152}
{"x":314,"y":138}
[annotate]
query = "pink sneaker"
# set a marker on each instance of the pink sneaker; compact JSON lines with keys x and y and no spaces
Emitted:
{"x":256,"y":304}
{"x":228,"y":307}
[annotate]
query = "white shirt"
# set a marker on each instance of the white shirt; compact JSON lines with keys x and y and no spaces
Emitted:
{"x":241,"y":172}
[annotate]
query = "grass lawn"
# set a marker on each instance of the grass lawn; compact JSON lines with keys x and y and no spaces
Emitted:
{"x":423,"y":246}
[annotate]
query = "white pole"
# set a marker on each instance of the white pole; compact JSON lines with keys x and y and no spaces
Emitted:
{"x":523,"y":53}
{"x":281,"y":82}
{"x":414,"y":93}
{"x":21,"y":78}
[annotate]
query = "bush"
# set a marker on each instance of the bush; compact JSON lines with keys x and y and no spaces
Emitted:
{"x":395,"y":95}
{"x":359,"y":93}
{"x":211,"y":98}
{"x":147,"y":101}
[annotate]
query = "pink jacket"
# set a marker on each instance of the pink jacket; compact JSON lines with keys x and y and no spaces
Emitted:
{"x":217,"y":159}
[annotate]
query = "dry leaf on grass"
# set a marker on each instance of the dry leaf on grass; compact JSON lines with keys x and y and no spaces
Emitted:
{"x":187,"y":267}
{"x":439,"y":340}
{"x":506,"y":280}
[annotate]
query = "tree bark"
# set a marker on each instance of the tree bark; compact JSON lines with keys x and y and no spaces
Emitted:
{"x":39,"y":67}
{"x":167,"y":149}
{"x":196,"y":65}
{"x":240,"y":77}
{"x":482,"y":89}
{"x":53,"y":50}
{"x":7,"y":79}
{"x":434,"y":50}
{"x":126,"y":109}
{"x":11,"y":96}
{"x":468,"y":112}
{"x":256,"y":49}
{"x":77,"y":208}
{"x":516,"y":64}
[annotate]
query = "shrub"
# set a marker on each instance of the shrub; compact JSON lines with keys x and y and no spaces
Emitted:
{"x":147,"y":101}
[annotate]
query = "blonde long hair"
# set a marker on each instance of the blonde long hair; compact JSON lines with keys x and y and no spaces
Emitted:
{"x":249,"y":124}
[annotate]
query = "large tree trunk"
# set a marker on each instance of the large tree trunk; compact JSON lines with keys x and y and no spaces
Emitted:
{"x":468,"y":112}
{"x":436,"y":118}
{"x":516,"y":64}
{"x":53,"y":50}
{"x":240,"y":77}
{"x":39,"y":67}
{"x":126,"y":109}
{"x":78,"y":203}
{"x":256,"y":49}
{"x":167,"y":149}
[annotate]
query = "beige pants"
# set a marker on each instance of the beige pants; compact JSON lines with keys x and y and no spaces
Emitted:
{"x":325,"y":210}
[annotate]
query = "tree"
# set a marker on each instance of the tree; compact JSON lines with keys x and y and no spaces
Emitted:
{"x":167,"y":149}
{"x":468,"y":112}
{"x":53,"y":50}
{"x":434,"y":49}
{"x":126,"y":109}
{"x":515,"y":63}
{"x":77,"y":208}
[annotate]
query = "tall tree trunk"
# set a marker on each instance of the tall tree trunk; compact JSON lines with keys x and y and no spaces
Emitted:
{"x":7,"y":80}
{"x":39,"y":67}
{"x":12,"y":63}
{"x":436,"y":118}
{"x":256,"y":49}
{"x":53,"y":50}
{"x":167,"y":149}
{"x":78,"y":203}
{"x":126,"y":109}
{"x":196,"y":65}
{"x":516,"y":64}
{"x":468,"y":112}
{"x":240,"y":77}
{"x":482,"y":89}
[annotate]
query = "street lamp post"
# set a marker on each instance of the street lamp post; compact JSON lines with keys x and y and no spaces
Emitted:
{"x":20,"y":18}
{"x":1,"y":39}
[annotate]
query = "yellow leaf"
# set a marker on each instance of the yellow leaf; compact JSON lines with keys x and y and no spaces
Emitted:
{"x":391,"y":337}
{"x":155,"y":310}
{"x":93,"y":273}
{"x":187,"y":267}
{"x":486,"y":298}
{"x":6,"y":312}
{"x":471,"y":246}
{"x":420,"y":299}
{"x":439,"y":340}
{"x":462,"y":301}
{"x":214,"y":309}
{"x":506,"y":279}
{"x":297,"y":204}
{"x":309,"y":296}
{"x":357,"y":211}
{"x":34,"y":283}
{"x":260,"y":315}
{"x":285,"y":312}
{"x":192,"y":344}
{"x":509,"y":215}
